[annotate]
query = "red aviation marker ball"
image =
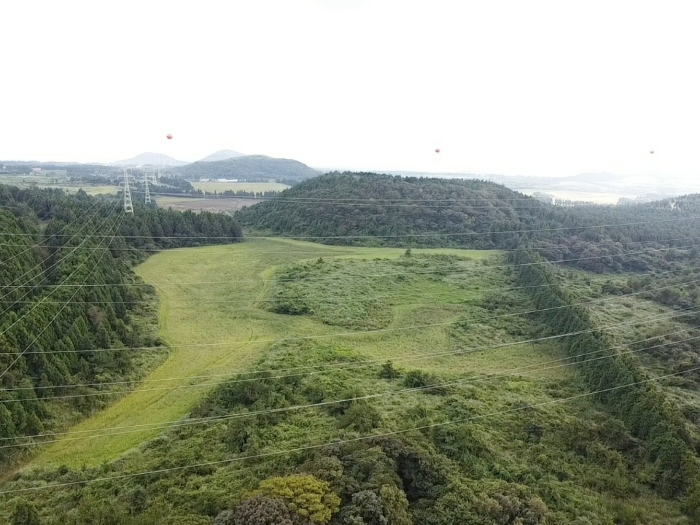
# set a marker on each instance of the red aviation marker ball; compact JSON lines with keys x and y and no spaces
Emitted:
{"x":437,"y":150}
{"x":169,"y":136}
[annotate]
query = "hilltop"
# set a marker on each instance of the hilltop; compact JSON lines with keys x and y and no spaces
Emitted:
{"x":247,"y":167}
{"x":437,"y":212}
{"x":223,"y":154}
{"x":151,"y":159}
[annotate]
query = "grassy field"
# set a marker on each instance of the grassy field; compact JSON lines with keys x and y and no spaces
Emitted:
{"x":219,"y":187}
{"x":61,"y":182}
{"x":214,"y":205}
{"x":231,"y":316}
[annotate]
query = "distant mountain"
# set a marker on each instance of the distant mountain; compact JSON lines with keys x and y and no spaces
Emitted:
{"x":248,"y":167}
{"x":151,"y":159}
{"x":223,"y":154}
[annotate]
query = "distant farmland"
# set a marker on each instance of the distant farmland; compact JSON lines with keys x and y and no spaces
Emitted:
{"x":214,"y":204}
{"x":220,"y":187}
{"x":60,"y":182}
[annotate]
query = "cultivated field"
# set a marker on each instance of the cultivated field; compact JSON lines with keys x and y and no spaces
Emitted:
{"x":219,"y":187}
{"x":226,"y":205}
{"x":27,"y":181}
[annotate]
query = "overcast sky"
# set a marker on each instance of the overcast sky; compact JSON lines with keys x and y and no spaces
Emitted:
{"x":533,"y":88}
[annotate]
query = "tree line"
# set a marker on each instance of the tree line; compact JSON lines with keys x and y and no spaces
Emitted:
{"x":70,"y":313}
{"x":430,"y":212}
{"x":621,"y":385}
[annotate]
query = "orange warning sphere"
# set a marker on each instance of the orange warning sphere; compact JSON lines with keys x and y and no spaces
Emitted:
{"x":437,"y":150}
{"x":169,"y":136}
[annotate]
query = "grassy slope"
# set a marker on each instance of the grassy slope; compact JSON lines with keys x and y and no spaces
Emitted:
{"x":233,"y":327}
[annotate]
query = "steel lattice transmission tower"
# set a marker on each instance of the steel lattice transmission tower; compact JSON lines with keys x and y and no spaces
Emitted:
{"x":128,"y":206}
{"x":148,"y":193}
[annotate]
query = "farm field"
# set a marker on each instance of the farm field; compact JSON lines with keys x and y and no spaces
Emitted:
{"x":214,"y":205}
{"x":219,"y":187}
{"x":27,"y":181}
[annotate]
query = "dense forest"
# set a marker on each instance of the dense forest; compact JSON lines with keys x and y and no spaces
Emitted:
{"x":620,"y":382}
{"x":371,"y":209}
{"x":249,"y":168}
{"x":68,"y":289}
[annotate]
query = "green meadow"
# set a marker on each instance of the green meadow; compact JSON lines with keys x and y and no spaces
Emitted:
{"x":215,"y":314}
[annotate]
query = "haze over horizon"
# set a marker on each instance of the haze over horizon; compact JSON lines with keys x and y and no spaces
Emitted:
{"x":542,"y":89}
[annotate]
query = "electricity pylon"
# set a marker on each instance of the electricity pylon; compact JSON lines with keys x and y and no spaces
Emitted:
{"x":128,"y":206}
{"x":148,"y":193}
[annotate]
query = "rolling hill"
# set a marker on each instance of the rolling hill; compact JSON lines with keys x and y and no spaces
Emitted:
{"x":365,"y":204}
{"x":248,"y":167}
{"x":372,"y":209}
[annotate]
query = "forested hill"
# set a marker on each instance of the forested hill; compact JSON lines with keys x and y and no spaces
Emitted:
{"x":367,"y":208}
{"x":337,"y":205}
{"x":248,"y":167}
{"x":73,"y":316}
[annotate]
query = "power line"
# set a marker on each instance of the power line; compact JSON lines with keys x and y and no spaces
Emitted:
{"x":324,"y":249}
{"x":55,"y":287}
{"x":453,"y":272}
{"x":373,"y":297}
{"x":37,"y":245}
{"x":41,"y":264}
{"x":409,"y":235}
{"x":19,"y":356}
{"x":532,"y":204}
{"x":366,"y":332}
{"x":338,"y":200}
{"x":351,"y":440}
{"x":362,"y":365}
{"x":215,"y":419}
{"x":208,"y":195}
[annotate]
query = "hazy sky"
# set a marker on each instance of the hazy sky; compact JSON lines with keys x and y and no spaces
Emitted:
{"x":536,"y":88}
